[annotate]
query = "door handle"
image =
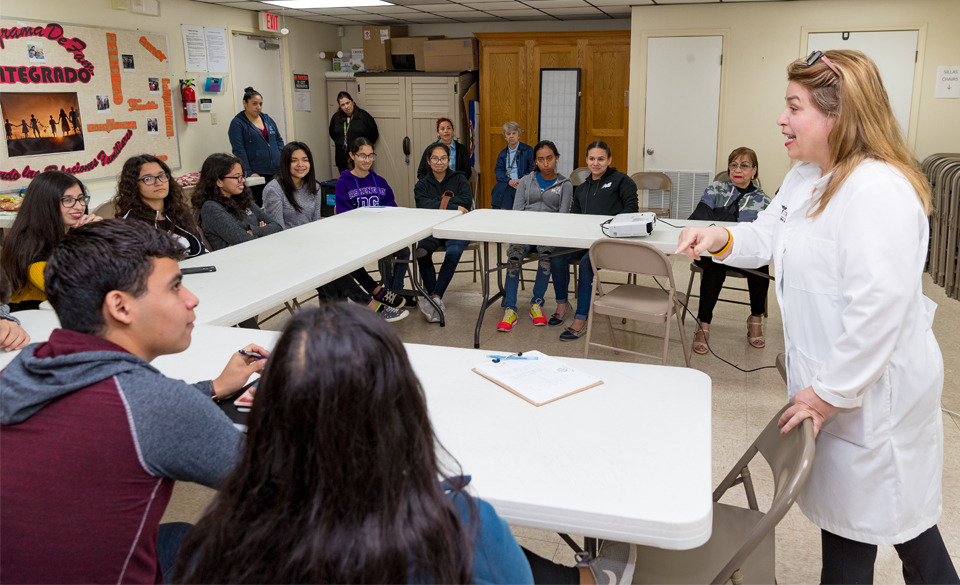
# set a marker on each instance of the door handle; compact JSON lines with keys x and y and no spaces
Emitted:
{"x":406,"y":148}
{"x":649,"y":151}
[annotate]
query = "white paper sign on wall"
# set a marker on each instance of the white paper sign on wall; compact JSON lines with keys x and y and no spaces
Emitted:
{"x":948,"y":82}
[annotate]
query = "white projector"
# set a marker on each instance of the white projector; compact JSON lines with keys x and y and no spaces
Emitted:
{"x":627,"y":225}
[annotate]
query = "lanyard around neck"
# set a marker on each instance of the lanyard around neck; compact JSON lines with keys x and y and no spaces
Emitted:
{"x":346,"y":128}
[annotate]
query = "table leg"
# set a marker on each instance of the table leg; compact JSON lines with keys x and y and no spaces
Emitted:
{"x":416,"y":283}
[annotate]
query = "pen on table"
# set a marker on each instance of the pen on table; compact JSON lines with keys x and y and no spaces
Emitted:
{"x":252,"y":354}
{"x":497,"y":358}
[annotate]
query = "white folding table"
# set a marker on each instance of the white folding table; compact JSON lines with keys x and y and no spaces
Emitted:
{"x":565,"y":230}
{"x":254,"y":276}
{"x":625,"y":460}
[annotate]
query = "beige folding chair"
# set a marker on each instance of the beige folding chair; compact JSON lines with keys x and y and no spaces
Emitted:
{"x":107,"y":209}
{"x":742,"y":547}
{"x":655,"y":182}
{"x":632,"y":301}
{"x":579,"y":175}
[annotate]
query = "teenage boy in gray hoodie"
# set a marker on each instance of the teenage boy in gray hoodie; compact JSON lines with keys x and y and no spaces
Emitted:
{"x":94,"y":436}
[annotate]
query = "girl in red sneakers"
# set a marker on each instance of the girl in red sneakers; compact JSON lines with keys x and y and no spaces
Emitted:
{"x":542,"y":190}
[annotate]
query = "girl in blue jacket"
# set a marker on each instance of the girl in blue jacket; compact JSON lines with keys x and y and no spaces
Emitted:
{"x":256,"y":141}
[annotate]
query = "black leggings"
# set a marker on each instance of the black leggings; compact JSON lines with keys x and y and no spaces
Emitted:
{"x":549,"y":572}
{"x":925,"y":559}
{"x":343,"y":288}
{"x":712,"y":281}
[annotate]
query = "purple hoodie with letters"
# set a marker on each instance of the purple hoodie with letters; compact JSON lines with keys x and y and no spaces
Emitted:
{"x":370,"y":191}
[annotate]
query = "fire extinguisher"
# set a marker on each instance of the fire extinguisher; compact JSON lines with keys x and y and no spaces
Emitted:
{"x":189,"y":98}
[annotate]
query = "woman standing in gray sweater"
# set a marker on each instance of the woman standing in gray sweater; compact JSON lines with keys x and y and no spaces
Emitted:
{"x":292,"y":198}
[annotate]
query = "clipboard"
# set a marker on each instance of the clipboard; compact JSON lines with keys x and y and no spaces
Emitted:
{"x":539,"y":381}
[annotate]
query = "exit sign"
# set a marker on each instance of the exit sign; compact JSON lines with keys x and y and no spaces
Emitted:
{"x":269,"y":22}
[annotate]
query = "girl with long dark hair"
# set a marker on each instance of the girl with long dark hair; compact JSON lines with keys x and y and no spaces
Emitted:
{"x":53,"y":203}
{"x":348,"y":123}
{"x":227,"y":213}
{"x":293,"y":199}
{"x":146,"y":191}
{"x":357,"y":187}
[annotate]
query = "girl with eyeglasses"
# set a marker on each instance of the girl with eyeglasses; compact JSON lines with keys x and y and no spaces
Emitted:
{"x":225,"y":209}
{"x":737,"y":199}
{"x":147,"y":192}
{"x":53,"y":203}
{"x":459,"y":153}
{"x":357,"y":187}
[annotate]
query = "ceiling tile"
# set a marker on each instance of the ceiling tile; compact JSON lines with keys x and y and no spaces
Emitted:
{"x":544,"y":4}
{"x":588,"y":11}
{"x":342,"y":12}
{"x":517,"y":13}
{"x":618,"y":10}
{"x":394,"y":10}
{"x":416,"y":2}
{"x":254,"y":6}
{"x":482,"y":18}
{"x":448,"y":7}
{"x":614,"y":2}
{"x":687,"y":1}
{"x":501,"y":5}
{"x":459,"y":13}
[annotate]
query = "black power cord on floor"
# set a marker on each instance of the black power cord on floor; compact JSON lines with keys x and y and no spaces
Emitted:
{"x":710,"y":349}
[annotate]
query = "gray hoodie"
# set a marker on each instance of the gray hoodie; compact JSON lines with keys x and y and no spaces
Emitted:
{"x":557,"y":198}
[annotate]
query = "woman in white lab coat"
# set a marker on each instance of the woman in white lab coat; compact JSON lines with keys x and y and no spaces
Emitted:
{"x":848,"y":235}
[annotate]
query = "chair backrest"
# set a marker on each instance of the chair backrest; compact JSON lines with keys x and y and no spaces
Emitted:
{"x":203,"y":236}
{"x":633,"y":256}
{"x":652,"y":181}
{"x":790,"y":457}
{"x":107,"y":209}
{"x":579,"y":175}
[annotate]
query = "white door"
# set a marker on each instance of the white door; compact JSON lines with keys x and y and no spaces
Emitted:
{"x":261,"y":69}
{"x":894,"y":52}
{"x":682,"y":117}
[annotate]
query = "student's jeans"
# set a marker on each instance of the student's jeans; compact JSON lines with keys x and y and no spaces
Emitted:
{"x":434,"y":284}
{"x":512,"y":282}
{"x":392,"y":279}
{"x":925,"y":559}
{"x":169,"y":539}
{"x":561,"y":279}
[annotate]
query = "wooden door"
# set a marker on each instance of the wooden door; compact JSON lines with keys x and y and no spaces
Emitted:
{"x":545,"y":55}
{"x":386,"y":100}
{"x":604,"y":99}
{"x":503,"y":98}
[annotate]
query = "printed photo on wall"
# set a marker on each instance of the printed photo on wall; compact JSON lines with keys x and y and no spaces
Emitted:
{"x":152,"y":126}
{"x":35,"y":52}
{"x":103,"y":104}
{"x":128,"y":63}
{"x":153,"y":84}
{"x":41,"y":123}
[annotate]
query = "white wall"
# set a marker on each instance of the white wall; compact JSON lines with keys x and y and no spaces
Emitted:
{"x":199,"y":139}
{"x":762,"y":38}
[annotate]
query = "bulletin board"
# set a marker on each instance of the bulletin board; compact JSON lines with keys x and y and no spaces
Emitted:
{"x":560,"y":114}
{"x":82,"y":99}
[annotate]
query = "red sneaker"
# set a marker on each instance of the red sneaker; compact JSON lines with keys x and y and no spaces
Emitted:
{"x":536,"y":313}
{"x":509,"y":318}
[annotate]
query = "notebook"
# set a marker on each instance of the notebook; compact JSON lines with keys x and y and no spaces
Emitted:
{"x":538,"y":381}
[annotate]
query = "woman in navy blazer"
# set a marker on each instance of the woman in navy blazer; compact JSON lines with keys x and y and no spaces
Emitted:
{"x":513,"y":163}
{"x":256,"y":141}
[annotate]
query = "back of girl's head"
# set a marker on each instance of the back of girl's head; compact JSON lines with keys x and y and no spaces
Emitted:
{"x":39,"y":225}
{"x":601,"y":145}
{"x":175,"y":204}
{"x":355,"y":147}
{"x":249,"y":93}
{"x":215,"y":168}
{"x":864,"y":124}
{"x":339,"y":478}
{"x":286,"y":177}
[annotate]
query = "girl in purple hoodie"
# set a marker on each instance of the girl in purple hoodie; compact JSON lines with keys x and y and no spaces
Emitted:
{"x":358,"y":186}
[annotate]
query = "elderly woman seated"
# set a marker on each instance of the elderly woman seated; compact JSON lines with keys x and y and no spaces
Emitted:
{"x":513,"y":163}
{"x":736,"y":199}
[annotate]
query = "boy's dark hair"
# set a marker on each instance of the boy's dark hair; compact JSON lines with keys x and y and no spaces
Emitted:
{"x":100,"y":257}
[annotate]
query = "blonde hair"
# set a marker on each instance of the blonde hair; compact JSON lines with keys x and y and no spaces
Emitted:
{"x":864,"y":125}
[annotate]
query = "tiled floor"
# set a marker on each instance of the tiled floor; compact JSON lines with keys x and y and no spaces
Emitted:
{"x":742,"y":405}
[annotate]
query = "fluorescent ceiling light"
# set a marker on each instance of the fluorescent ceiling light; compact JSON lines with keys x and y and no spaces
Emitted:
{"x":301,"y":4}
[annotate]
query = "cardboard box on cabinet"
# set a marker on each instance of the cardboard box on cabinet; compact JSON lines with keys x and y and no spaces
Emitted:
{"x":451,"y":55}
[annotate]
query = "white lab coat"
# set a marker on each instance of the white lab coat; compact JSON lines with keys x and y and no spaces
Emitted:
{"x":858,"y":329}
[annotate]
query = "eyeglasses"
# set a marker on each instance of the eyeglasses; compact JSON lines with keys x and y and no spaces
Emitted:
{"x":150,"y":180}
{"x":441,"y":159}
{"x":238,"y":178}
{"x":369,"y":157}
{"x":745,"y":166}
{"x":70,"y":202}
{"x":816,"y":55}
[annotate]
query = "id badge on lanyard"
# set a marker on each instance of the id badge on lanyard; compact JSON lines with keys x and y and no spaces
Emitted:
{"x":346,"y":128}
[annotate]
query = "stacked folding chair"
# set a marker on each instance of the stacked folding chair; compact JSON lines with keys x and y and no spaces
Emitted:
{"x":943,"y":260}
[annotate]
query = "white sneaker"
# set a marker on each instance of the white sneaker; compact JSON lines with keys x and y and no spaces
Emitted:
{"x":443,"y":311}
{"x":391,"y":314}
{"x":614,"y":564}
{"x":429,"y":313}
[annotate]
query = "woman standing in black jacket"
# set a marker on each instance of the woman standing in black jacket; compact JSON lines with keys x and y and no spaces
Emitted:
{"x":459,"y":153}
{"x":347,"y":124}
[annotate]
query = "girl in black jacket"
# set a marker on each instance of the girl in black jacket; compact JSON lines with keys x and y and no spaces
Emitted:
{"x":440,"y":189}
{"x":347,"y":124}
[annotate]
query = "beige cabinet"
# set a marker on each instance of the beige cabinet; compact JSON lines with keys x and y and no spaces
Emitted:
{"x":406,"y":107}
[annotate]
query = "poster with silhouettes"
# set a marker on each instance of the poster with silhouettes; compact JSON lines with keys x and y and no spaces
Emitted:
{"x":82,"y":99}
{"x":41,"y":123}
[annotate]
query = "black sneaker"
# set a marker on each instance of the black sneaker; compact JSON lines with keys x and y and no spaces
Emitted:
{"x":388,"y":297}
{"x":409,"y":301}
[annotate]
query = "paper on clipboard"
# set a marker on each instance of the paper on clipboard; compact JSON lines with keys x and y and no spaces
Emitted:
{"x":537,"y":381}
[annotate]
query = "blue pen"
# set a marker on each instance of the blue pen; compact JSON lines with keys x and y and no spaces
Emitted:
{"x":252,"y":354}
{"x":496,"y":358}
